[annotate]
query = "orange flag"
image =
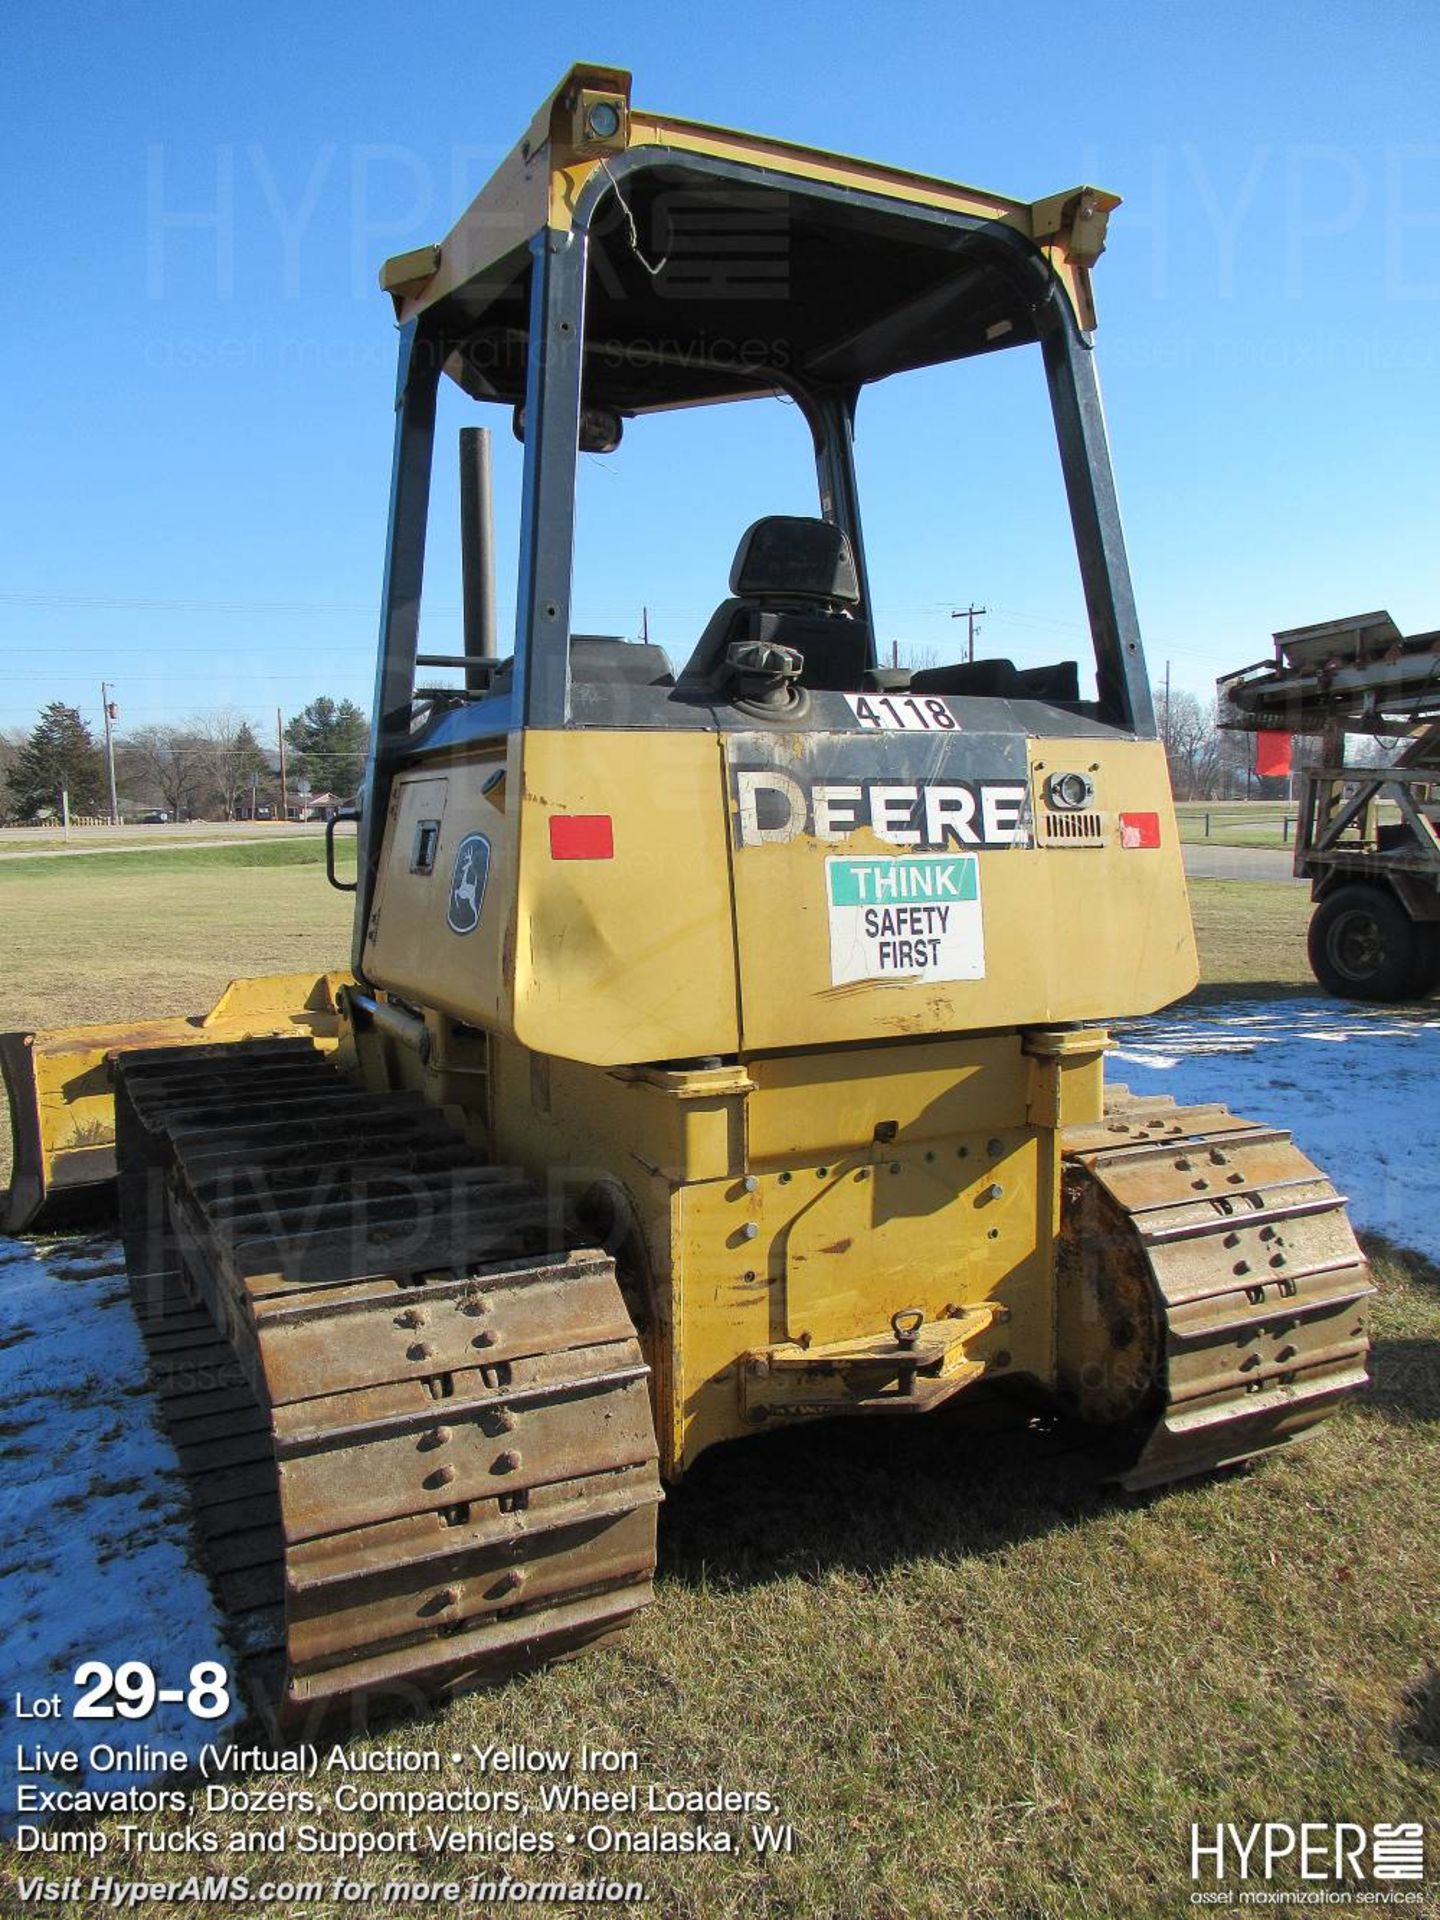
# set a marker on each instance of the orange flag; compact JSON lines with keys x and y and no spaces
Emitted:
{"x":1272,"y":754}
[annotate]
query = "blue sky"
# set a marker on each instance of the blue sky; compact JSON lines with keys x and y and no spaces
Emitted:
{"x":199,"y":415}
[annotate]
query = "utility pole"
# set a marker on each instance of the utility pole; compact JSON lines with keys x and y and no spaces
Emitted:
{"x":284,"y":780}
{"x":969,"y":614}
{"x":107,"y":707}
{"x":1165,"y":724}
{"x":644,"y":626}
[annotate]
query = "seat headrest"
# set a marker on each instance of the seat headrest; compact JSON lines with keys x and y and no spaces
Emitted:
{"x":785,"y":556}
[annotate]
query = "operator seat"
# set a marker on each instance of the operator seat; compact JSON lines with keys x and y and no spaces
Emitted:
{"x":793,"y":584}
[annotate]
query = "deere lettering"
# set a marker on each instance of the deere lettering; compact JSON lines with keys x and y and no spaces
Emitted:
{"x":773,"y":807}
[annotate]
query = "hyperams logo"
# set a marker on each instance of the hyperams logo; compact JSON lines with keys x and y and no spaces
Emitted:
{"x":1342,"y":1852}
{"x":772,"y":807}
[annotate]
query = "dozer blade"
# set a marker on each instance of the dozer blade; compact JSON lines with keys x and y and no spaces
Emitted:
{"x":62,"y":1106}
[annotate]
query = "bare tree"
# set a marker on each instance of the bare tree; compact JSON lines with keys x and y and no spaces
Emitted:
{"x":229,"y":756}
{"x":1192,"y":744}
{"x":1235,"y":774}
{"x":165,"y":764}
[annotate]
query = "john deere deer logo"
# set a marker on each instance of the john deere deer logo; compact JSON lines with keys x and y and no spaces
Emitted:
{"x":467,"y":883}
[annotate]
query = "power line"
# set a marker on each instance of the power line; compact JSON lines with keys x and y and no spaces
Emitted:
{"x":107,"y":602}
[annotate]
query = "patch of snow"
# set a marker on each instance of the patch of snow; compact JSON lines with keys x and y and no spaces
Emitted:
{"x":1356,"y":1085}
{"x":1148,"y":1057}
{"x":94,"y":1538}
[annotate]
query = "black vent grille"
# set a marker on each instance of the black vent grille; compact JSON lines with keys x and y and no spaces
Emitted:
{"x":1072,"y":829}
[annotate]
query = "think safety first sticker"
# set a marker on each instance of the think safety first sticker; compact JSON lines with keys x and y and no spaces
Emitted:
{"x":911,"y":918}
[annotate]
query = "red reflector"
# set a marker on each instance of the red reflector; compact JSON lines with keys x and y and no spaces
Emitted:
{"x":1139,"y":829}
{"x":582,"y":836}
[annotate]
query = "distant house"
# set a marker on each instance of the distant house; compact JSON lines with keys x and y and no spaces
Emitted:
{"x":300,"y":802}
{"x":317,"y":806}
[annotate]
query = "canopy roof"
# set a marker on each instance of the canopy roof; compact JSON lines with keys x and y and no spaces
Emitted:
{"x":723,"y":265}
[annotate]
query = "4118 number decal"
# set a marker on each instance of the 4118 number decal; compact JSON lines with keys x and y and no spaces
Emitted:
{"x":902,"y":712}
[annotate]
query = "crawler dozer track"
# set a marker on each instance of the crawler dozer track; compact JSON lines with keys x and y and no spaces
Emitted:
{"x":1212,"y":1294}
{"x":416,"y":1422}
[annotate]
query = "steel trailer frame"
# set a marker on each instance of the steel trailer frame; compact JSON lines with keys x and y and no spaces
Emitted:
{"x":1343,"y":678}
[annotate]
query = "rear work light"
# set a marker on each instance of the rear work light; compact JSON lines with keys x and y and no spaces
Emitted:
{"x":582,"y":836}
{"x":1139,"y":829}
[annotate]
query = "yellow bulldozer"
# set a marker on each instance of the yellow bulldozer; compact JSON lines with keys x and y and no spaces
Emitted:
{"x":722,"y":1043}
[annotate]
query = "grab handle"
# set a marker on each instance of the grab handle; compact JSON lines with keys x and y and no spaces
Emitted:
{"x":340,"y":886}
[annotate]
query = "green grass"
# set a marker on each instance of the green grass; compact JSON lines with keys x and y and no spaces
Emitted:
{"x":108,"y":937}
{"x":16,"y":840}
{"x":179,"y":859}
{"x":1251,"y":936}
{"x":1245,"y":823}
{"x":138,"y":935}
{"x":189,"y":831}
{"x":1248,"y":823}
{"x":978,"y":1682}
